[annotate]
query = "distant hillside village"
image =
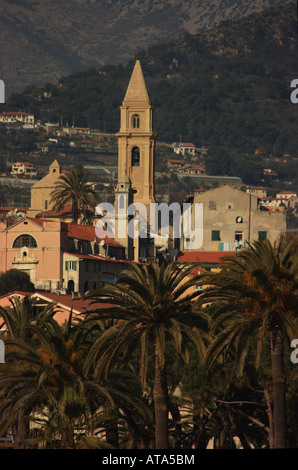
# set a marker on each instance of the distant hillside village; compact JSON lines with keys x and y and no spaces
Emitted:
{"x":183,"y":159}
{"x":66,"y":257}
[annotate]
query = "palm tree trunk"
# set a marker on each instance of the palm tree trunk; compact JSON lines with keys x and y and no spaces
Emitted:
{"x":160,"y":404}
{"x":279,"y":389}
{"x":268,"y":399}
{"x":75,"y":210}
{"x":174,"y":410}
{"x":21,"y":431}
{"x":112,"y":434}
{"x":199,"y":431}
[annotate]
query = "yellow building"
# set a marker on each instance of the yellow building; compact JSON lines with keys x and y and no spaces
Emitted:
{"x":41,"y":191}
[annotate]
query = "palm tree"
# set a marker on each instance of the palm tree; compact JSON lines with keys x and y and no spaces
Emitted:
{"x":42,"y":381}
{"x":17,"y":321}
{"x":74,"y":188}
{"x":44,"y":375}
{"x":152,"y":306}
{"x":256,"y":291}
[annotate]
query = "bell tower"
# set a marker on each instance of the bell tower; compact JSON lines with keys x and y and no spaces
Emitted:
{"x":136,"y":140}
{"x":123,"y":198}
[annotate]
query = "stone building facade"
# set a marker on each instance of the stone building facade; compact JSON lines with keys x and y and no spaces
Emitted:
{"x":231,"y":218}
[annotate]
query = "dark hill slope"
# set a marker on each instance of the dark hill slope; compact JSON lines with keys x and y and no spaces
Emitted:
{"x":227,"y":87}
{"x":44,"y":39}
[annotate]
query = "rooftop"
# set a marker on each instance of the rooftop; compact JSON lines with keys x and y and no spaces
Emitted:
{"x":208,"y":257}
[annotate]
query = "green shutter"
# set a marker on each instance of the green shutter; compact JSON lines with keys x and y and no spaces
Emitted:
{"x":66,"y":265}
{"x":74,"y":265}
{"x":262,"y":235}
{"x":215,"y":236}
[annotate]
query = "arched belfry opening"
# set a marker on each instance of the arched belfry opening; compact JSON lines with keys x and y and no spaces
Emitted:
{"x":135,"y":121}
{"x":135,"y":156}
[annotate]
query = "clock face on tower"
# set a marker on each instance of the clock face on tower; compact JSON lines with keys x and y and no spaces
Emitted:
{"x":239,"y":219}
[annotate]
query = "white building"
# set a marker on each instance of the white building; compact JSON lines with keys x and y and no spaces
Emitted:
{"x":184,"y":148}
{"x":286,"y":195}
{"x":23,"y":169}
{"x":14,"y":117}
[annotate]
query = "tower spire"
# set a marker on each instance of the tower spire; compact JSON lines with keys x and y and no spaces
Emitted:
{"x":136,"y":150}
{"x":137,"y":91}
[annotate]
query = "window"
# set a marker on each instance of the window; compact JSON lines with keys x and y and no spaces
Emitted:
{"x":121,"y":202}
{"x":70,"y":265}
{"x":229,"y":206}
{"x":212,"y":205}
{"x":136,"y":121}
{"x":135,"y":156}
{"x":24,"y":240}
{"x":239,"y":242}
{"x":262,"y":235}
{"x":215,"y":235}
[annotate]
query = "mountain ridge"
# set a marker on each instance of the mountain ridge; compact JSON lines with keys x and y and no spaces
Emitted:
{"x":42,"y":41}
{"x":217,"y":88}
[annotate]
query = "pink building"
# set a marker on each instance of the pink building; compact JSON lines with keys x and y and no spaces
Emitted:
{"x":59,"y":256}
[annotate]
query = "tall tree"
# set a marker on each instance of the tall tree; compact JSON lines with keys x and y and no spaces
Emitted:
{"x":74,"y":188}
{"x":16,"y":323}
{"x":257,"y":295}
{"x":42,"y":381}
{"x":42,"y":374}
{"x":14,"y":279}
{"x":154,"y":305}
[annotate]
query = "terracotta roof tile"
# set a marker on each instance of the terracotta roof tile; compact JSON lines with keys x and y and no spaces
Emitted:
{"x":66,"y":301}
{"x":212,"y":257}
{"x":87,"y":232}
{"x":54,"y":213}
{"x":36,"y":221}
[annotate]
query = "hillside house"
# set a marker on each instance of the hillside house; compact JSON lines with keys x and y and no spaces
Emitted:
{"x":184,"y":148}
{"x":258,"y":191}
{"x":286,"y":195}
{"x":9,"y":117}
{"x":174,"y":163}
{"x":23,"y":169}
{"x":191,"y":170}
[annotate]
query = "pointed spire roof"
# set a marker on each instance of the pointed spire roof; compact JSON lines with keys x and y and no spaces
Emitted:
{"x":137,"y":90}
{"x":55,"y":171}
{"x":55,"y":167}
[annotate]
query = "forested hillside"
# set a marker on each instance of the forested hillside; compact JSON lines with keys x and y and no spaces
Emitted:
{"x":42,"y":40}
{"x":228,"y":87}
